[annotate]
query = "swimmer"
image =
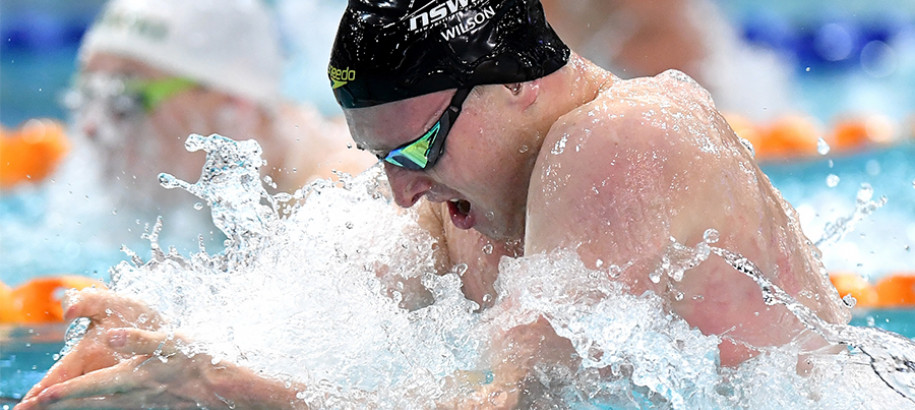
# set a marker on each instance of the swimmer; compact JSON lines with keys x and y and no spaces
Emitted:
{"x":638,"y":37}
{"x":505,"y":135}
{"x":635,"y":38}
{"x":151,"y":75}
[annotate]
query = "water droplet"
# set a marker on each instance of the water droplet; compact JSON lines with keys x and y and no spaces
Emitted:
{"x":711,"y":236}
{"x":524,"y":148}
{"x":822,"y":146}
{"x":614,"y":271}
{"x":487,"y":298}
{"x":849,"y":300}
{"x":114,"y":211}
{"x":460,"y":269}
{"x":598,"y":263}
{"x":807,"y":69}
{"x":865,"y":193}
{"x":748,"y":145}
{"x":832,"y":180}
{"x":349,"y":225}
{"x":198,"y":206}
{"x":487,"y":249}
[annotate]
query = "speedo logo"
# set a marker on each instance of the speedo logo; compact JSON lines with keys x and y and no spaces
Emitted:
{"x":339,"y":77}
{"x":422,"y":19}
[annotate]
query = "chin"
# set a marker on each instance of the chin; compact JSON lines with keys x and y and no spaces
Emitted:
{"x":505,"y":234}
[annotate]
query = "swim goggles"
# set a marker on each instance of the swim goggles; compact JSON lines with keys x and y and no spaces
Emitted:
{"x":125,"y":95}
{"x":424,"y":152}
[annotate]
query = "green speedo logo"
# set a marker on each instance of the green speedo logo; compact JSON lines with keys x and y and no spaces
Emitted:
{"x":339,"y":77}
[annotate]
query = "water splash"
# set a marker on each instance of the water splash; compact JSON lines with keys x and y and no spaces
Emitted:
{"x":230,"y":184}
{"x":835,"y":231}
{"x":357,"y":312}
{"x":891,"y":356}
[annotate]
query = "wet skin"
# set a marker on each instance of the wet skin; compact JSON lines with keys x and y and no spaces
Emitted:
{"x":650,"y":160}
{"x":617,"y":170}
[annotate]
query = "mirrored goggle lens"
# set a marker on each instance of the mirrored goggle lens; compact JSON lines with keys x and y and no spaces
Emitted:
{"x":420,"y":154}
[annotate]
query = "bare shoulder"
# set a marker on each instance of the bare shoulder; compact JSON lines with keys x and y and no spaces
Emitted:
{"x":668,"y":110}
{"x":651,"y":162}
{"x":641,"y":135}
{"x":640,"y":161}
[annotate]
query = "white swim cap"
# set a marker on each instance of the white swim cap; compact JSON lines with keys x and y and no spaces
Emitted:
{"x":229,"y":45}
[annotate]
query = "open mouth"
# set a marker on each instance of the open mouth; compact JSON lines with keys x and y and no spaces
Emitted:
{"x":459,"y":210}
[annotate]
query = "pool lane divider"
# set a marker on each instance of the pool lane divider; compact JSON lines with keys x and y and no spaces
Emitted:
{"x":30,"y":153}
{"x":893,"y":291}
{"x":40,"y":300}
{"x":798,"y":136}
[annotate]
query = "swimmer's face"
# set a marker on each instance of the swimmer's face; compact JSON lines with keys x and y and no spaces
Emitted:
{"x":483,"y":173}
{"x":141,"y":138}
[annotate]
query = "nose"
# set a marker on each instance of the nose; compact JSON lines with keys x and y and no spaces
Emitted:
{"x":407,"y":186}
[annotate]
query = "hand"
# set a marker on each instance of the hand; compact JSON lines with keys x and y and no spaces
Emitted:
{"x":512,"y":382}
{"x":105,"y":310}
{"x":161,"y":374}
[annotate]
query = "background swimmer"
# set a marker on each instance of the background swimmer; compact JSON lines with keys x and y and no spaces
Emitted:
{"x":149,"y":77}
{"x":636,"y":38}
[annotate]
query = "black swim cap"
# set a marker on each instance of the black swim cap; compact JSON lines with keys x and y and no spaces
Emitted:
{"x":397,"y":49}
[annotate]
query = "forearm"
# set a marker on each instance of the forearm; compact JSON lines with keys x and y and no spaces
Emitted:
{"x":509,"y":383}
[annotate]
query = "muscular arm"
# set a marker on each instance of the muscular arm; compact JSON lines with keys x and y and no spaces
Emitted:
{"x":660,"y":164}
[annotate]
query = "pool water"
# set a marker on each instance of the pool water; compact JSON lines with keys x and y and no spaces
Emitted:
{"x":26,"y":355}
{"x":825,"y":189}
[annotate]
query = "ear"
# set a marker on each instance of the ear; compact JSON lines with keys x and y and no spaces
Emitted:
{"x":524,"y":94}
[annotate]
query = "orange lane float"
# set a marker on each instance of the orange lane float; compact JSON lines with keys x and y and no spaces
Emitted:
{"x":31,"y":152}
{"x":39,"y":300}
{"x":856,"y":133}
{"x":797,"y":136}
{"x":897,"y":290}
{"x":893,"y":291}
{"x":789,"y":136}
{"x":862,"y":290}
